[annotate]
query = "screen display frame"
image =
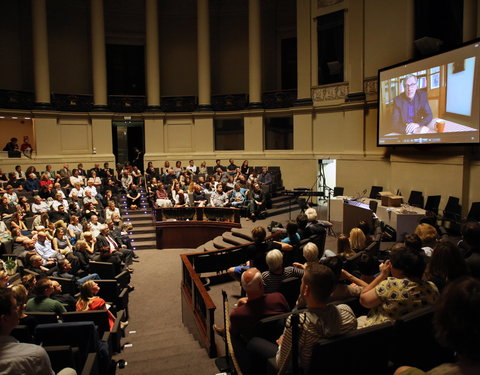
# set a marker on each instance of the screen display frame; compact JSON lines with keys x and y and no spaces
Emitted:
{"x":396,"y":74}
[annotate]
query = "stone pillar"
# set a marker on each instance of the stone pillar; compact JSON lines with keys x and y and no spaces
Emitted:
{"x":304,"y":60}
{"x":99,"y":64}
{"x":254,"y":54}
{"x":203,"y":55}
{"x":152,"y":55}
{"x":40,"y":53}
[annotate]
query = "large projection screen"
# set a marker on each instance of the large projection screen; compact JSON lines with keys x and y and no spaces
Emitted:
{"x":431,"y":101}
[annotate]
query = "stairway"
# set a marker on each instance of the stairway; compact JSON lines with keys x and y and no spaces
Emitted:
{"x":166,"y":349}
{"x":143,"y":234}
{"x":235,"y":237}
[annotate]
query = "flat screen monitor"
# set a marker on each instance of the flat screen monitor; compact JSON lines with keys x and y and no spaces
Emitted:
{"x":435,"y":100}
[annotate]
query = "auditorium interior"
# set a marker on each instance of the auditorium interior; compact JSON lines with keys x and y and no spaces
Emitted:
{"x":289,"y":84}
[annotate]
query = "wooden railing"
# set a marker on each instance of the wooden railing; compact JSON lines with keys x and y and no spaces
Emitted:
{"x":198,"y":308}
{"x":225,"y":214}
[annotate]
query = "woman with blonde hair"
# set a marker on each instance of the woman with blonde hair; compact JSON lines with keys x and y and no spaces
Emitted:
{"x":90,"y":242}
{"x":357,"y":240}
{"x":203,"y":168}
{"x":89,"y":301}
{"x":20,"y":293}
{"x":429,"y":236}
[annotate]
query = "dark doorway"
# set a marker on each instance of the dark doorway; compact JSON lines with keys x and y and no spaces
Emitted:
{"x":128,"y":135}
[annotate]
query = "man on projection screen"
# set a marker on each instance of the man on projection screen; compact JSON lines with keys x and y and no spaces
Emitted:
{"x":411,"y":110}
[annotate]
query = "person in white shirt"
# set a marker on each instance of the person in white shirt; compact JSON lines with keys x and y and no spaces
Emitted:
{"x":39,"y":205}
{"x":111,"y":211}
{"x":77,"y":189}
{"x":89,"y":197}
{"x":91,"y":187}
{"x":76,"y":178}
{"x":94,"y":225}
{"x":192,"y":167}
{"x":59,"y":201}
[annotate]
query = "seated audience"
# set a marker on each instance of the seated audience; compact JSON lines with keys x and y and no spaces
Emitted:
{"x":264,"y":178}
{"x":428,"y":235}
{"x":7,"y":209}
{"x":94,"y":225}
{"x":89,"y":301}
{"x":61,"y":242}
{"x":64,"y":270}
{"x":133,"y":197}
{"x":344,"y":248}
{"x":16,"y":222}
{"x":74,"y":229}
{"x":32,"y":184}
{"x":446,"y":264}
{"x":277,"y":272}
{"x":237,"y":196}
{"x":42,"y":301}
{"x":310,"y":254}
{"x":368,"y":267}
{"x":181,"y":199}
{"x":348,"y":285}
{"x":20,"y":293}
{"x":219,"y":198}
{"x":390,"y":297}
{"x":39,"y":206}
{"x":43,"y":248}
{"x":16,"y":357}
{"x":60,"y":217}
{"x":357,"y":240}
{"x":457,"y":327}
{"x":256,"y":306}
{"x":257,"y":203}
{"x":103,"y":254}
{"x":321,"y":319}
{"x":199,"y":197}
{"x":35,"y":264}
{"x":116,"y":247}
{"x":256,"y":253}
{"x":111,"y":210}
{"x":471,"y":239}
{"x":65,"y":299}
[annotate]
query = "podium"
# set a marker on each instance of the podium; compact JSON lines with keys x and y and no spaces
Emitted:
{"x":353,"y":213}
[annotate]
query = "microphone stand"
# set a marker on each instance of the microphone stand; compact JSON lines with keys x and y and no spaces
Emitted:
{"x":331,"y":232}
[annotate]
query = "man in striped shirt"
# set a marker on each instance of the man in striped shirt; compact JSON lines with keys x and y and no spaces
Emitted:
{"x":272,"y":279}
{"x":321,"y":319}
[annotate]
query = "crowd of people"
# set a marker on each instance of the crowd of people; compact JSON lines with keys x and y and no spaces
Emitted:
{"x":189,"y":186}
{"x":426,"y":269}
{"x":75,"y":219}
{"x":55,"y":224}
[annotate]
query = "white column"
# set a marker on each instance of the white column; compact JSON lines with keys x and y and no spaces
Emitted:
{"x":304,"y":60}
{"x":254,"y":54}
{"x":99,"y":65}
{"x":40,"y":52}
{"x":203,"y":54}
{"x":152,"y":54}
